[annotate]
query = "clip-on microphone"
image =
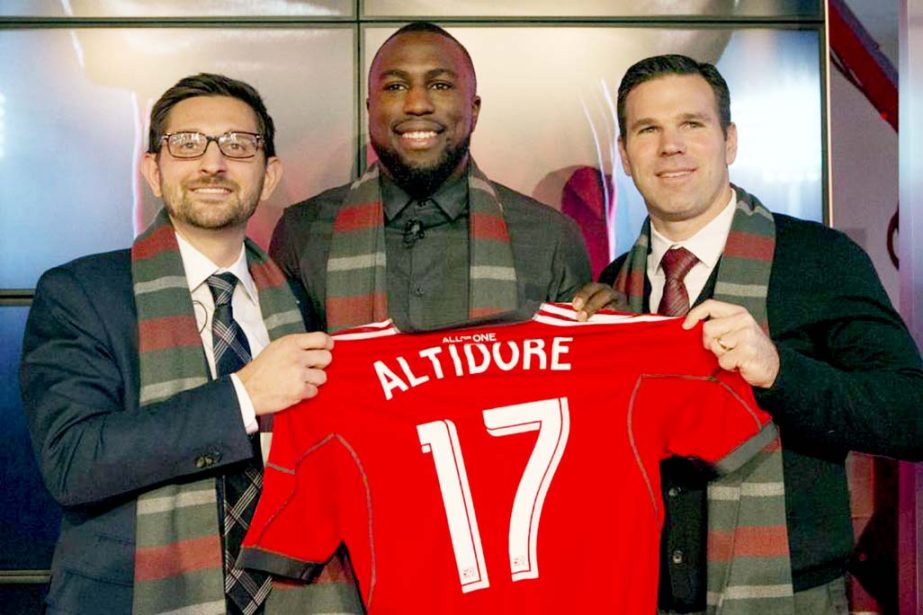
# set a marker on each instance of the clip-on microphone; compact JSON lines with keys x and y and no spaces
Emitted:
{"x":413,"y":230}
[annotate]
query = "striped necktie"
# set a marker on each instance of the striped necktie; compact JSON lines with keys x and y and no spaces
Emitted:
{"x":676,"y":263}
{"x":246,"y":590}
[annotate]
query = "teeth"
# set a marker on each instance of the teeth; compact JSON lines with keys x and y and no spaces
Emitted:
{"x":212,"y":190}
{"x":419,"y":134}
{"x":675,"y":174}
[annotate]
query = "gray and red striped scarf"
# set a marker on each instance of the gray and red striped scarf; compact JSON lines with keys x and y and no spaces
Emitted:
{"x":356,"y":269}
{"x":749,"y":566}
{"x":178,"y":554}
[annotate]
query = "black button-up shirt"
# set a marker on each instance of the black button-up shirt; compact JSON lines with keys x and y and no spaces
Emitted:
{"x":426,"y":243}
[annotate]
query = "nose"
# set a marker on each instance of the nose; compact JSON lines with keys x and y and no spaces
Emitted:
{"x":213,"y":161}
{"x":671,"y":142}
{"x":418,"y":101}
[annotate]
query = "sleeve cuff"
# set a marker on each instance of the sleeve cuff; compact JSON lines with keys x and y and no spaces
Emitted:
{"x":247,"y":411}
{"x":278,"y":564}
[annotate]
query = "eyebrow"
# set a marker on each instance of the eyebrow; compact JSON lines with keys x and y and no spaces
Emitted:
{"x":695,"y":116}
{"x":644,"y":121}
{"x":647,"y":121}
{"x":430,"y":74}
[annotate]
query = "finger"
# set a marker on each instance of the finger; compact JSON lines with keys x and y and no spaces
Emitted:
{"x":728,"y":361}
{"x":721,"y":328}
{"x":583,"y":295}
{"x":721,"y":346}
{"x":317,"y":377}
{"x":317,"y":359}
{"x":308,"y":391}
{"x":602,"y":299}
{"x":313,"y":340}
{"x":579,"y":300}
{"x":710,"y":309}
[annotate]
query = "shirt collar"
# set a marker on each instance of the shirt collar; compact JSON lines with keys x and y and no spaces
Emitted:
{"x":199,"y":267}
{"x":451,"y":197}
{"x":707,"y":244}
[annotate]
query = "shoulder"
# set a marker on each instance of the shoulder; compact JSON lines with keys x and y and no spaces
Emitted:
{"x":805,"y":242}
{"x":96,"y":287}
{"x":520,"y":209}
{"x":317,"y":207}
{"x":107,"y":271}
{"x":303,"y":224}
{"x":90,"y":298}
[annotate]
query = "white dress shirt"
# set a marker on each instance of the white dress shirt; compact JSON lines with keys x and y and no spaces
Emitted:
{"x":245,"y":305}
{"x":707,"y":245}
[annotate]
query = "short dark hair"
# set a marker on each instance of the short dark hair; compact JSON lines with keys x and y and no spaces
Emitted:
{"x":208,"y":84}
{"x":430,"y":27}
{"x":674,"y":64}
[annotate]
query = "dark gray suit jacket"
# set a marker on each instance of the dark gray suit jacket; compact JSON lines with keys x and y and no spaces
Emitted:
{"x":97,"y":450}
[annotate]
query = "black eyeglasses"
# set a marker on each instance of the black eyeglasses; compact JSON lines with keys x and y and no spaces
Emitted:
{"x":233,"y":144}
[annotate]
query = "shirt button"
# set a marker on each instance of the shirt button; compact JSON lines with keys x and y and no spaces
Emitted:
{"x":677,"y":557}
{"x":418,"y":291}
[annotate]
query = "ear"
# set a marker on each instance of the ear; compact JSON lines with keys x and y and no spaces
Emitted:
{"x":271,"y":177}
{"x":151,"y":171}
{"x":475,"y":111}
{"x":623,"y":156}
{"x":730,"y":145}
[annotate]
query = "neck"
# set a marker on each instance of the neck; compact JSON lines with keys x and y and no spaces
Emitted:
{"x":682,"y":229}
{"x":221,"y":246}
{"x":421,"y":185}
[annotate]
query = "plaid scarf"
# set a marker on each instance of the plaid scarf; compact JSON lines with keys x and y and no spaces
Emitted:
{"x":749,"y":567}
{"x":356,"y":269}
{"x":178,"y":554}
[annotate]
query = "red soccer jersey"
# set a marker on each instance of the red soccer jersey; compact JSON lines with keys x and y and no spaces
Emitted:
{"x":510,"y":468}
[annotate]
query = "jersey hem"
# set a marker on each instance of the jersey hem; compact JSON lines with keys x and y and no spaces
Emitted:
{"x":278,"y":564}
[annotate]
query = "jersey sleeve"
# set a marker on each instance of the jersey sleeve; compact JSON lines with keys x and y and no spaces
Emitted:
{"x":294,"y":528}
{"x":712,"y":418}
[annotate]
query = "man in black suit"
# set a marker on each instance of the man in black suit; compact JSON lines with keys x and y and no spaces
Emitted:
{"x":112,"y":423}
{"x":836,"y":367}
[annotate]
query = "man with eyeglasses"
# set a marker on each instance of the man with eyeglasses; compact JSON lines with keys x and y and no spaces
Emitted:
{"x":147,"y":375}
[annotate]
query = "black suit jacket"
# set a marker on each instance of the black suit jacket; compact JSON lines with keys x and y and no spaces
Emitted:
{"x":97,"y":450}
{"x":850,"y":378}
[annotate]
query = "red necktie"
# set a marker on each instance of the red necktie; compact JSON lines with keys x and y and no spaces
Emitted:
{"x":676,"y":264}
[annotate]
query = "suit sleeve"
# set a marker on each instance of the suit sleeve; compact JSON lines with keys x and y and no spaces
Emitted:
{"x":571,"y":263}
{"x":79,"y":385}
{"x":850,"y":374}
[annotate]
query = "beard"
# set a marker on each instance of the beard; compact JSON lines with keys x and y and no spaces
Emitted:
{"x":421,"y":181}
{"x":235,"y":211}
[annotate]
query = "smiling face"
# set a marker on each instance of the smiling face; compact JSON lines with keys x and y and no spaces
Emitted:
{"x":676,"y":152}
{"x":211,"y":192}
{"x":422,"y":109}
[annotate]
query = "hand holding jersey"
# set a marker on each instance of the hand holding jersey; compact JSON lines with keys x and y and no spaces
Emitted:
{"x":593,"y":297}
{"x":740,"y":344}
{"x":289,"y":370}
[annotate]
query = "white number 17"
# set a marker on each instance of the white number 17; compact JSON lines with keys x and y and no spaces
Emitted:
{"x":550,"y":417}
